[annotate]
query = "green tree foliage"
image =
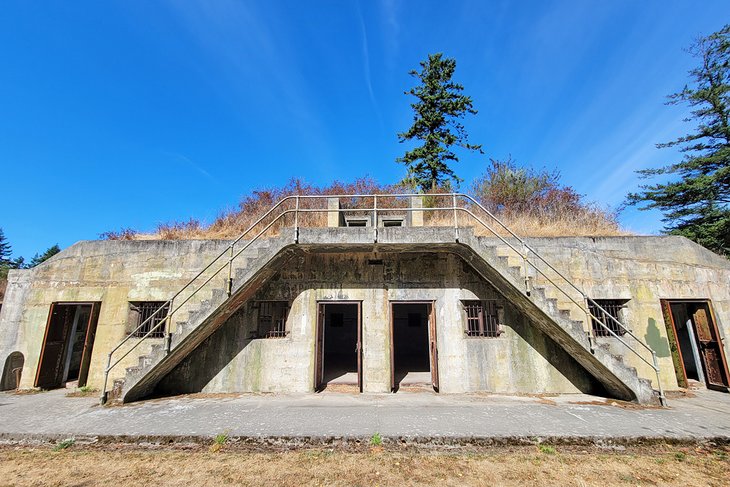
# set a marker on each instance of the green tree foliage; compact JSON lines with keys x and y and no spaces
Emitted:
{"x":6,"y":251}
{"x":506,"y":188}
{"x":7,"y":263}
{"x":509,"y":190}
{"x":50,"y":252}
{"x":439,"y":107}
{"x":696,"y":204}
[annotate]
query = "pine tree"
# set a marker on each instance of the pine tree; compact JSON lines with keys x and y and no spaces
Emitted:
{"x":439,"y":106}
{"x":697,"y":204}
{"x":5,"y":251}
{"x":50,"y":252}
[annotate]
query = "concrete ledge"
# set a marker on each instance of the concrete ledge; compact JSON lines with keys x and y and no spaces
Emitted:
{"x":277,"y":443}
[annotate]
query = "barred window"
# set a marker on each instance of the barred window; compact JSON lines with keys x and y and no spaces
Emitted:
{"x":482,"y":319}
{"x":613,"y":309}
{"x":272,"y":318}
{"x":141,"y":311}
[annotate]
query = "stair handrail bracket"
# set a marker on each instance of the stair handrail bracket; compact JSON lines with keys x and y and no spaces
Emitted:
{"x":454,"y":204}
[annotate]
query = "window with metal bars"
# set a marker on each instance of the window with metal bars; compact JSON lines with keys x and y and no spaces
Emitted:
{"x":482,"y":318}
{"x":613,"y":309}
{"x":272,"y":319}
{"x":142,"y":312}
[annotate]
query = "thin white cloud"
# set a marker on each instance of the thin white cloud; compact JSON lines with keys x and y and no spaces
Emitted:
{"x":186,"y":161}
{"x":366,"y":65}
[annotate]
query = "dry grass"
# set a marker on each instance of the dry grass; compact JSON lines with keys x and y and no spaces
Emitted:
{"x":380,"y":466}
{"x":550,"y":212}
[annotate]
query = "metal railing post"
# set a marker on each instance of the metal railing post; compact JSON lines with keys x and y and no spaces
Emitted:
{"x":662,"y":398}
{"x":456,"y":221}
{"x":296,"y":220}
{"x":525,"y":268}
{"x":106,"y":378}
{"x":229,"y":281}
{"x":589,"y":323}
{"x":375,"y":218}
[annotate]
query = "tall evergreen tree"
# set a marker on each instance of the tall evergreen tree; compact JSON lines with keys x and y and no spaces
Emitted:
{"x":696,"y":204}
{"x":5,"y":250}
{"x":439,"y":107}
{"x":50,"y":252}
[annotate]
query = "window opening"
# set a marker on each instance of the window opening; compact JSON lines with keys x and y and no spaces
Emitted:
{"x":482,"y":318}
{"x":141,"y":311}
{"x":272,"y":319}
{"x":613,"y":308}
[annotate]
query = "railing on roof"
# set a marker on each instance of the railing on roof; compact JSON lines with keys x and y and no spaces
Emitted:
{"x":299,"y":211}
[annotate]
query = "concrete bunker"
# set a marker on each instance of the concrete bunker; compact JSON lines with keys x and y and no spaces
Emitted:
{"x":344,"y":310}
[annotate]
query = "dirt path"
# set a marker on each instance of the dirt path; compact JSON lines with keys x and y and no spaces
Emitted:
{"x":523,"y":466}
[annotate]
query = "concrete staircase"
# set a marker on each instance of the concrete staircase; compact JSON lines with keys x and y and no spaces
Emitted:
{"x":491,"y":259}
{"x":557,"y":316}
{"x":209,"y":309}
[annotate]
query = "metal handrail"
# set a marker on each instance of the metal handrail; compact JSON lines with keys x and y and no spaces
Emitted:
{"x":525,"y":255}
{"x":168,"y":303}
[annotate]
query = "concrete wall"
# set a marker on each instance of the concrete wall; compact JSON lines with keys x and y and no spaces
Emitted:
{"x":520,"y":360}
{"x":113,"y":272}
{"x":644,"y":270}
{"x":641,"y":269}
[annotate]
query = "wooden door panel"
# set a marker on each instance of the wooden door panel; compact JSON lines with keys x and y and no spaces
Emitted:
{"x":433,"y":345}
{"x":359,"y":347}
{"x":89,"y":344}
{"x":709,"y":344}
{"x":50,"y":367}
{"x":392,"y":351}
{"x":319,"y":349}
{"x":674,"y":347}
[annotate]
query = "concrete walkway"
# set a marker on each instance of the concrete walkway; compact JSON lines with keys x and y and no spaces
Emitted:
{"x":416,"y":416}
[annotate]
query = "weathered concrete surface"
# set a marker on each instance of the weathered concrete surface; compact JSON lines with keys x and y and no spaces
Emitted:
{"x":113,"y":272}
{"x":408,"y":415}
{"x":521,"y":360}
{"x":207,"y":314}
{"x":642,"y":269}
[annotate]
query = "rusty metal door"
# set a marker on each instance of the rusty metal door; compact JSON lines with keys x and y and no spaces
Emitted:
{"x":358,"y":348}
{"x":88,"y":344}
{"x":710,"y":348}
{"x":433,"y":347}
{"x":55,"y":342}
{"x":319,"y":349}
{"x":674,"y":347}
{"x":392,"y":352}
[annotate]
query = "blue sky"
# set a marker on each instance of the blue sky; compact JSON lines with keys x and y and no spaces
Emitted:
{"x":131,"y":113}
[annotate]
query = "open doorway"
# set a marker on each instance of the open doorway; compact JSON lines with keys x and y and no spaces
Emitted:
{"x":67,"y":344}
{"x":338,"y":350}
{"x":413,"y":351}
{"x":696,"y":347}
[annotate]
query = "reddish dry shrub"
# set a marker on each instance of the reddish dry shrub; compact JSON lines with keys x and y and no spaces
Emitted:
{"x":537,"y":204}
{"x":534,"y":202}
{"x":122,"y":234}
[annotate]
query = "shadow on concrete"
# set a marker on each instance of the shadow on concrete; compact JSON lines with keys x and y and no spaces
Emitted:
{"x":655,"y":340}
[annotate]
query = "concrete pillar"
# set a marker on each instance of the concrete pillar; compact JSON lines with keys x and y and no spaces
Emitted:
{"x":334,"y":216}
{"x":417,"y":215}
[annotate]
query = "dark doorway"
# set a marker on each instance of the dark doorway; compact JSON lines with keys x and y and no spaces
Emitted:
{"x":338,"y":345}
{"x":697,"y":350}
{"x":67,"y":345}
{"x":413,"y":345}
{"x":12,"y":371}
